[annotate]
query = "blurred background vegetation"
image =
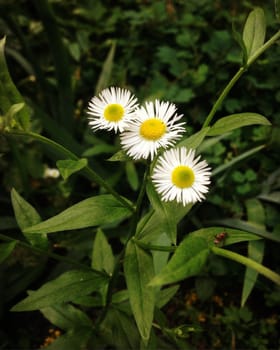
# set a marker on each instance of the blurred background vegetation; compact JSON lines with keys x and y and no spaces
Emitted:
{"x":61,"y":53}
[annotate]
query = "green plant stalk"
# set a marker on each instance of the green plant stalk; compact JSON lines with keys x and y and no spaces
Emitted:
{"x":237,"y":76}
{"x":87,"y":170}
{"x":273,"y":276}
{"x":50,"y":254}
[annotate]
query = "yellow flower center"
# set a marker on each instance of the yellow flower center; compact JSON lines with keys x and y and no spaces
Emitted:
{"x":183,"y":176}
{"x":113,"y":112}
{"x":152,"y":129}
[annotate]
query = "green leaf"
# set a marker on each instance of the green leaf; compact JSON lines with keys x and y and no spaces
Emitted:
{"x":6,"y":249}
{"x":249,"y":227}
{"x":235,"y":121}
{"x":119,"y":330}
{"x":10,"y":96}
{"x":273,"y":197}
{"x":131,"y":175}
{"x":170,"y":213}
{"x":102,"y":258}
{"x":76,"y":339}
{"x":64,"y":288}
{"x":94,"y":211}
{"x":255,"y":213}
{"x":194,"y":140}
{"x":68,"y":167}
{"x":165,"y":295}
{"x":254,"y":31}
{"x":232,"y":236}
{"x":120,"y":156}
{"x":104,"y":78}
{"x":27,"y":216}
{"x":66,"y":316}
{"x":138,"y":269}
{"x":187,"y":261}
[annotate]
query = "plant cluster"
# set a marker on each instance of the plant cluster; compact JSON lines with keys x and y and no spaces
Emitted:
{"x":126,"y":223}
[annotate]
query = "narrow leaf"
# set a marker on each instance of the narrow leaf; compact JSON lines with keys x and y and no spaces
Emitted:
{"x":254,"y":31}
{"x":103,"y":80}
{"x":68,"y":167}
{"x":11,"y":95}
{"x":138,"y":269}
{"x":27,"y":216}
{"x":231,"y":236}
{"x":66,"y":316}
{"x":194,"y":140}
{"x":187,"y":261}
{"x":170,"y":212}
{"x":6,"y":249}
{"x":64,"y":288}
{"x":94,"y":211}
{"x":102,"y":256}
{"x":255,"y":213}
{"x":235,"y":121}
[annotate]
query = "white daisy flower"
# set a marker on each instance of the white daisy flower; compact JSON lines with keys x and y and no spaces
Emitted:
{"x":111,"y":109}
{"x":179,"y":176}
{"x":155,"y":126}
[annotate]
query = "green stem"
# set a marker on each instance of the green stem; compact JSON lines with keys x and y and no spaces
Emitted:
{"x":273,"y":276}
{"x":49,"y":254}
{"x":236,"y":77}
{"x":222,"y":96}
{"x":87,"y":170}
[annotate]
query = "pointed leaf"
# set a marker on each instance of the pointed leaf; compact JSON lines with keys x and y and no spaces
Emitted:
{"x":104,"y":78}
{"x":9,"y":94}
{"x":120,"y":331}
{"x":27,"y":216}
{"x":255,"y":213}
{"x":138,"y":269}
{"x":194,"y":140}
{"x":66,"y":316}
{"x":254,"y":31}
{"x":187,"y":261}
{"x":232,"y":236}
{"x":6,"y":249}
{"x":94,"y":211}
{"x":235,"y":121}
{"x":102,"y":255}
{"x":66,"y":287}
{"x":68,"y":167}
{"x":170,"y":212}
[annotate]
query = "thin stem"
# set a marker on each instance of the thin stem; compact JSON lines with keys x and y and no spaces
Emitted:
{"x":237,"y":75}
{"x":222,"y":96}
{"x":273,"y":276}
{"x":87,"y":170}
{"x":49,"y":254}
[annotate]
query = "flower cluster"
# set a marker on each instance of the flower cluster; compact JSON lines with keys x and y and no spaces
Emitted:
{"x":144,"y":131}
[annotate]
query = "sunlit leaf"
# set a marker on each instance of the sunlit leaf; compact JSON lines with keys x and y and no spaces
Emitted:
{"x":254,"y":31}
{"x":235,"y":121}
